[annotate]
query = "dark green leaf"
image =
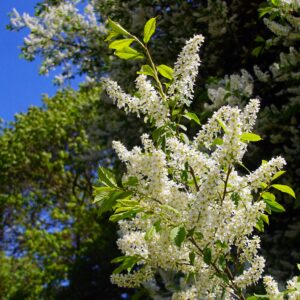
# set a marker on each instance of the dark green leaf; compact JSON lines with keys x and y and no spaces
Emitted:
{"x":180,"y":237}
{"x":192,"y":257}
{"x":127,"y":263}
{"x":260,"y":225}
{"x":207,"y":256}
{"x":192,"y":116}
{"x":274,"y":206}
{"x":256,"y":51}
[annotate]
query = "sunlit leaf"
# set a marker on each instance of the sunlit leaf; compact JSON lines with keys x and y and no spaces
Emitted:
{"x":285,"y":189}
{"x":116,"y":27}
{"x":120,"y":44}
{"x":165,"y":71}
{"x":149,"y":29}
{"x":250,"y":137}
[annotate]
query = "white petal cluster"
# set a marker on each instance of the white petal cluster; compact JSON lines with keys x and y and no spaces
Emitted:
{"x":134,"y":279}
{"x":148,"y":103}
{"x":230,"y":90}
{"x":59,"y":33}
{"x":293,"y":286}
{"x":265,"y":172}
{"x":220,"y":217}
{"x":185,"y":71}
{"x":191,"y":189}
{"x":234,"y":123}
{"x":271,"y":287}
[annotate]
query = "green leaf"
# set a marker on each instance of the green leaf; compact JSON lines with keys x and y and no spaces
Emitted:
{"x":107,"y":177}
{"x":192,"y":116}
{"x":111,"y":35}
{"x":180,"y":237}
{"x":274,"y":206}
{"x":285,"y":189}
{"x":184,"y":138}
{"x":174,"y":232}
{"x":146,"y":70}
{"x":264,"y":11}
{"x":149,"y":233}
{"x":157,"y":226}
{"x":265,"y":218}
{"x":198,"y":235}
{"x":235,"y":197}
{"x":207,"y":255}
{"x":260,"y":225}
{"x":269,"y":196}
{"x":120,"y":44}
{"x":221,"y":245}
{"x":129,"y":213}
{"x":149,"y":29}
{"x":192,"y":257}
{"x":278,"y":174}
{"x":178,"y":234}
{"x":222,"y":262}
{"x":250,"y":137}
{"x":127,"y":263}
{"x":217,"y":141}
{"x":128,"y":53}
{"x":298,"y":266}
{"x":165,"y":71}
{"x":117,"y":28}
{"x":131,"y":181}
{"x":106,"y":197}
{"x":125,"y":209}
{"x":263,"y":185}
{"x":260,"y":39}
{"x":256,"y":51}
{"x":222,"y":124}
{"x":275,"y":2}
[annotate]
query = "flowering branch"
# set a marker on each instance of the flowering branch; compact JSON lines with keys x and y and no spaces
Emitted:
{"x":178,"y":207}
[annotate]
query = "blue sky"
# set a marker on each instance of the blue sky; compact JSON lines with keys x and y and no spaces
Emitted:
{"x":21,"y":86}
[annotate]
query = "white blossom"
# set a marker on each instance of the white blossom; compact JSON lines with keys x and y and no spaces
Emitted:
{"x":185,"y":71}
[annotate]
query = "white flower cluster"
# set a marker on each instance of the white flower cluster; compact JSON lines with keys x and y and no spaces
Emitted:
{"x":147,"y":103}
{"x":230,"y":90}
{"x":58,"y":40}
{"x":227,"y":218}
{"x":292,"y":291}
{"x":185,"y":71}
{"x":192,"y":192}
{"x":278,"y":29}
